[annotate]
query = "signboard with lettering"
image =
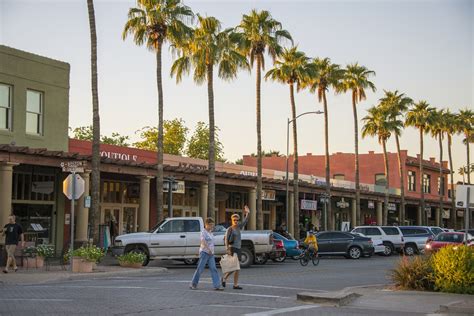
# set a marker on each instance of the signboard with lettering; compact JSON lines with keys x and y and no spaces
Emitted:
{"x":72,"y":166}
{"x":45,"y":187}
{"x":268,"y":195}
{"x":392,"y":207}
{"x":371,"y":204}
{"x":309,"y":205}
{"x":181,"y":187}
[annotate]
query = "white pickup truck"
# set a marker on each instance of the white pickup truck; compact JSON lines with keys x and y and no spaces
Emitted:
{"x":178,"y":238}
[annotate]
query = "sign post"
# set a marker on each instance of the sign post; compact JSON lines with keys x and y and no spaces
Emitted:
{"x":465,"y":199}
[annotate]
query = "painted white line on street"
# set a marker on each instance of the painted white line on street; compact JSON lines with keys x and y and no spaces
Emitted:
{"x":283,"y":310}
{"x":241,"y":306}
{"x":36,"y":299}
{"x":240,"y":294}
{"x":98,"y":287}
{"x":252,"y":285}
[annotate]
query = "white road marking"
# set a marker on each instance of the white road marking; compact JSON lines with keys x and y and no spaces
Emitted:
{"x":36,"y":299}
{"x":241,"y":306}
{"x":241,"y":294}
{"x":283,"y":310}
{"x":251,"y":285}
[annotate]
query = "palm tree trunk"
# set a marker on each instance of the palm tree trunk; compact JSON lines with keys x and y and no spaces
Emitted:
{"x":441,"y":188}
{"x":296,"y":213}
{"x":453,"y":198}
{"x":387,"y":183}
{"x":259,"y":148}
{"x":402,"y":182}
{"x":356,"y":144}
{"x":468,"y":160}
{"x":95,"y":187}
{"x":330,"y":219}
{"x":422,"y":218}
{"x":159,"y":166}
{"x":211,"y":194}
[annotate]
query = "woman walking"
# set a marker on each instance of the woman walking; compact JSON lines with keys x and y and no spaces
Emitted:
{"x":206,"y":256}
{"x":233,"y":243}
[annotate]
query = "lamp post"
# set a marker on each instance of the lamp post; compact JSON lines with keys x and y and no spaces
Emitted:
{"x":287,"y":153}
{"x":325,"y":200}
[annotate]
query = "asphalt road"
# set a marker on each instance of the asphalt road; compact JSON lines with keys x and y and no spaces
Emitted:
{"x":268,"y":289}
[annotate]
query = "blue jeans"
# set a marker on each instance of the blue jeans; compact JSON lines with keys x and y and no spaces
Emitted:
{"x":205,"y":258}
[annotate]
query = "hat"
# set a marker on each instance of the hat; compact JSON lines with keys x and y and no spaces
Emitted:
{"x":235,"y":216}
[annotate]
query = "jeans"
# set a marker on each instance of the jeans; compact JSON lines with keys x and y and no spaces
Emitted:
{"x":205,"y":258}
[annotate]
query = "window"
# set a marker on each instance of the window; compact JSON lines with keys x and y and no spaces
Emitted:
{"x":173,"y":226}
{"x":426,"y":183}
{"x":5,"y":106}
{"x":380,"y":179}
{"x":441,"y":185}
{"x":34,"y":112}
{"x":411,"y":181}
{"x":193,"y":226}
{"x":339,"y":177}
{"x":390,"y":230}
{"x":372,"y":231}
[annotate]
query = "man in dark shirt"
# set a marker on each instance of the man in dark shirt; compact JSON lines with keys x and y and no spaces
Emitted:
{"x":12,"y":232}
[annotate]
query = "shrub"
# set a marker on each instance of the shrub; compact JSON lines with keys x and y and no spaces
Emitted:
{"x":89,"y":253}
{"x":453,"y":269}
{"x":132,"y":257}
{"x":413,"y":273}
{"x":45,"y":251}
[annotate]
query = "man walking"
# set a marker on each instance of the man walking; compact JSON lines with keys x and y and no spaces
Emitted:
{"x":12,"y":232}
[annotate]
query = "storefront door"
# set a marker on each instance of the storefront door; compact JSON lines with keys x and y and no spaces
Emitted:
{"x":120,"y":219}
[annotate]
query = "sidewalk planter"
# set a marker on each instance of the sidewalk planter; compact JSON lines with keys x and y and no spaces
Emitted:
{"x":81,"y":265}
{"x":30,"y":263}
{"x":136,"y":265}
{"x":132,"y":260}
{"x":39,"y":262}
{"x":86,"y":258}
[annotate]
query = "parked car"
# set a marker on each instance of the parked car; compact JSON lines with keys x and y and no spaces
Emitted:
{"x":435,"y":230}
{"x":391,"y":237}
{"x":415,"y":238}
{"x":379,"y":247}
{"x":349,"y":245}
{"x":291,"y":245}
{"x":446,"y":239}
{"x":277,"y":254}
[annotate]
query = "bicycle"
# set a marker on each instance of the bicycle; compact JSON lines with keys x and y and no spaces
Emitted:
{"x":308,"y":255}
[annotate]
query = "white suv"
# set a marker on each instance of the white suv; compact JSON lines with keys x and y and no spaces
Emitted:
{"x":391,"y":237}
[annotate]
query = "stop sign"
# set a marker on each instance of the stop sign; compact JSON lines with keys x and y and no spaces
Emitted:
{"x":78,"y":189}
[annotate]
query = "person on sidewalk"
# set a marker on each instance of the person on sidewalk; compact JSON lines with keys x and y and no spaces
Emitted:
{"x":12,"y":232}
{"x":206,"y":256}
{"x":233,"y":243}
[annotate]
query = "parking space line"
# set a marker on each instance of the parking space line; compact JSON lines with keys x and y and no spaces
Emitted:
{"x":283,"y":310}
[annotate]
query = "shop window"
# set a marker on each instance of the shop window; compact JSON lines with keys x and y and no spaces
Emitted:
{"x":380,"y":179}
{"x":411,"y":181}
{"x":236,"y":200}
{"x":5,"y":107}
{"x":33,"y":187}
{"x":36,"y":221}
{"x":34,"y":112}
{"x":426,"y":183}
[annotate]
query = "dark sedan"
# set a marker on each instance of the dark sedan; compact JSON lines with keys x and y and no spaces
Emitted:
{"x":347,"y":244}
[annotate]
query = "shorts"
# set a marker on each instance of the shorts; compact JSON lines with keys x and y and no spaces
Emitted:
{"x":233,"y":250}
{"x":11,"y":251}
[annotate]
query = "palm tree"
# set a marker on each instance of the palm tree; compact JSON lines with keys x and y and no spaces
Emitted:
{"x":208,"y":47}
{"x":466,"y":124}
{"x":397,"y":104}
{"x":95,"y":213}
{"x":420,"y":116}
{"x":356,"y":79}
{"x":327,"y":75}
{"x":260,"y":33}
{"x":156,"y":22}
{"x":292,"y":68}
{"x":377,"y":123}
{"x":451,"y":127}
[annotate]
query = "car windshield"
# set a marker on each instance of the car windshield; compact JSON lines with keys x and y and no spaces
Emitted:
{"x":450,"y":237}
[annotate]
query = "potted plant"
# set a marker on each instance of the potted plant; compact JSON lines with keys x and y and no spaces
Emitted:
{"x":85,"y":258}
{"x":132,"y":260}
{"x":42,"y":252}
{"x":29,"y":260}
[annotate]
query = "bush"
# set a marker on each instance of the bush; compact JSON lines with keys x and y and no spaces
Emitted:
{"x":414,"y":273}
{"x":132,"y":257}
{"x":453,"y":269}
{"x":89,"y":253}
{"x":45,"y":251}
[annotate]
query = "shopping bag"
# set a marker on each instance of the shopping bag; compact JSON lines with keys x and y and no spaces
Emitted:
{"x":230,"y":263}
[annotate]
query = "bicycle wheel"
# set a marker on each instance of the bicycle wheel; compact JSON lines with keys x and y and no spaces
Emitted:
{"x":315,"y":259}
{"x":304,"y":260}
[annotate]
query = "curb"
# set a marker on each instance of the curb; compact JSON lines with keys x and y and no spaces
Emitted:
{"x":340,"y":298}
{"x":459,"y":307}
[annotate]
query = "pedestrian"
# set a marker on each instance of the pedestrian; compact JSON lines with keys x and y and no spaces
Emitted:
{"x":12,"y":232}
{"x":206,"y":256}
{"x":233,"y":243}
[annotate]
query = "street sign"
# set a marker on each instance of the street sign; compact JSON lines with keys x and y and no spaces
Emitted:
{"x":309,"y":205}
{"x":345,"y":226}
{"x":79,"y":186}
{"x":73,"y":166}
{"x":461,"y":196}
{"x":87,"y":201}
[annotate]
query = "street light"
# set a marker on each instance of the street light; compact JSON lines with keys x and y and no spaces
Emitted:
{"x":287,"y":153}
{"x":325,"y":200}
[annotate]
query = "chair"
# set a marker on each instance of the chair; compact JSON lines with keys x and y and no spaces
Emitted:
{"x":49,"y":261}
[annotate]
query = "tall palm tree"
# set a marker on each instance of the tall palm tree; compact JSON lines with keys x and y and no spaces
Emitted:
{"x":326,"y":75}
{"x":420,"y":116}
{"x":260,"y":33}
{"x":356,"y":79}
{"x":95,"y":213}
{"x":377,"y":123}
{"x":437,"y":130}
{"x":155,"y":22}
{"x":209,"y":47}
{"x":466,"y":124}
{"x":451,"y":127}
{"x":397,"y":104}
{"x":293,"y":67}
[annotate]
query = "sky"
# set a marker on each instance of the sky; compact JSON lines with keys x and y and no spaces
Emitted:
{"x":421,"y":48}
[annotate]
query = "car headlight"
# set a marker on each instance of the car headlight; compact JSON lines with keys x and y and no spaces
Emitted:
{"x":118,"y":243}
{"x":428,"y":246}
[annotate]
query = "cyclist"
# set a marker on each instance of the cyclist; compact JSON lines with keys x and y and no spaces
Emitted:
{"x":312,"y":242}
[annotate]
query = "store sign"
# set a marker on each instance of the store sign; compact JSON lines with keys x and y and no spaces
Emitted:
{"x":460,"y":213}
{"x":248,"y":173}
{"x":342,"y":203}
{"x":392,"y":207}
{"x":181,"y":187}
{"x":309,"y":205}
{"x":73,"y":166}
{"x":371,"y":204}
{"x":45,"y":187}
{"x":446,"y":214}
{"x":268,"y":195}
{"x":119,"y":156}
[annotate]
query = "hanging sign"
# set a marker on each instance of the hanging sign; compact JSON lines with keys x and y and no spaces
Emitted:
{"x":309,"y":205}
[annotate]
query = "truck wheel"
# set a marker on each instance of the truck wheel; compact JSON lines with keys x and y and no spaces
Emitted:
{"x":191,"y":261}
{"x":388,"y":249}
{"x":261,"y":258}
{"x":247,"y":258}
{"x":410,"y":250}
{"x":140,"y":249}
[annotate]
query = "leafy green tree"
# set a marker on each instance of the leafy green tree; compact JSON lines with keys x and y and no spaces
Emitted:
{"x":239,"y":161}
{"x":269,"y":153}
{"x":356,"y":80}
{"x":292,"y":68}
{"x":155,"y":22}
{"x":174,"y":139}
{"x":260,"y":33}
{"x":209,"y":47}
{"x":420,"y":116}
{"x":198,"y":144}
{"x":86,"y":133}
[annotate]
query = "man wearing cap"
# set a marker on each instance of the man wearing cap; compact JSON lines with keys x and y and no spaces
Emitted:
{"x":233,"y":243}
